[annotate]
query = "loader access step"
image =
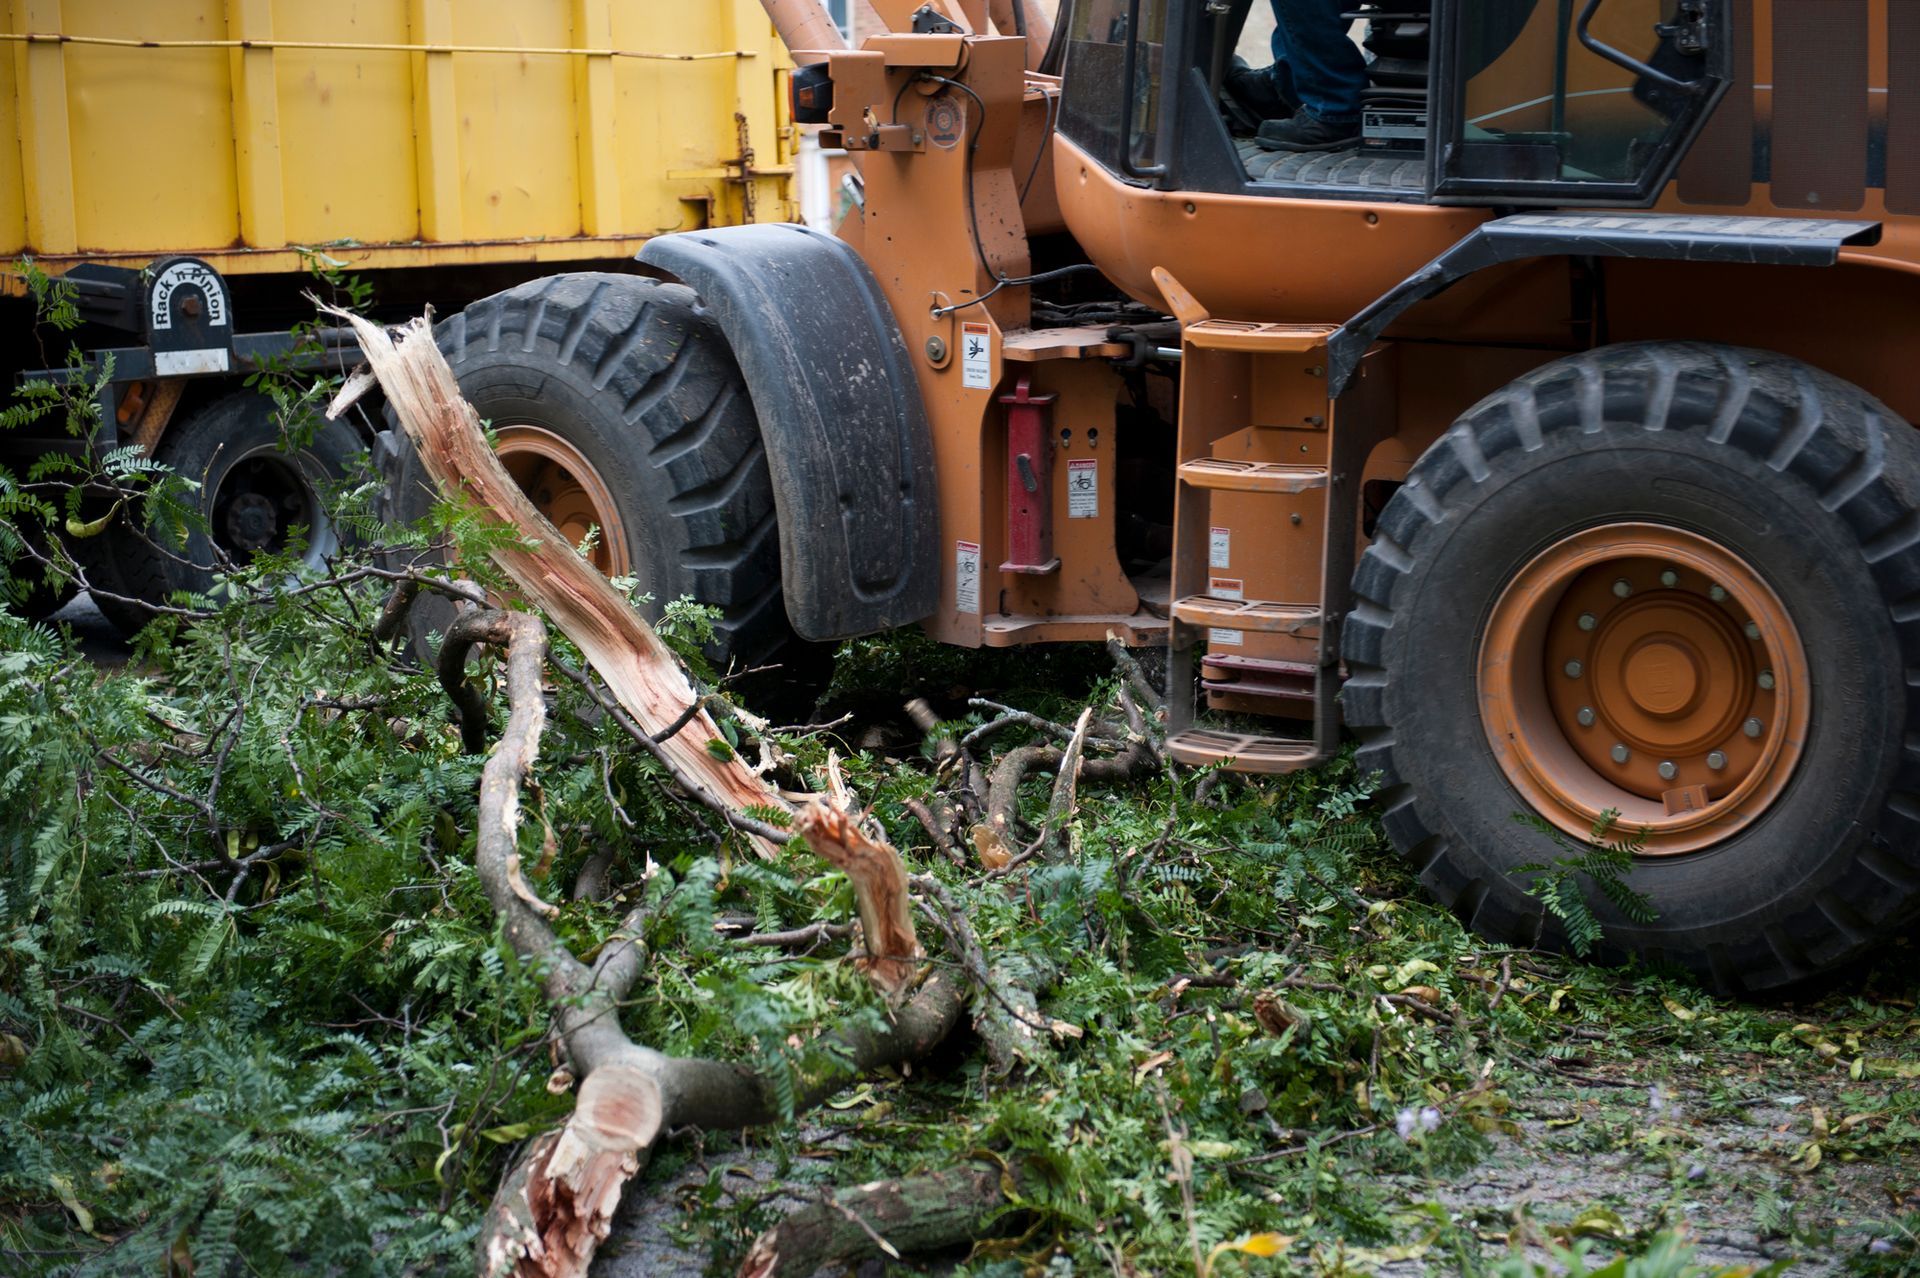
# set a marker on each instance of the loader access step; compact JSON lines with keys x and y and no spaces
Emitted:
{"x":1265,"y":456}
{"x":1247,"y":614}
{"x":1242,"y":751}
{"x":1232,"y":475}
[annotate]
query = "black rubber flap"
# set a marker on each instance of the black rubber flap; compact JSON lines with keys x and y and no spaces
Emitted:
{"x":846,"y":433}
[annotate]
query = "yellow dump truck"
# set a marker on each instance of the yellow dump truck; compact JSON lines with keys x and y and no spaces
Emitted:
{"x":185,"y":162}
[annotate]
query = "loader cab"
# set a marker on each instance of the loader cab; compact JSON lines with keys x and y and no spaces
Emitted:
{"x":1485,"y":102}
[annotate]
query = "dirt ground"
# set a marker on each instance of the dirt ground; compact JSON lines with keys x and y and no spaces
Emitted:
{"x":1606,"y":1156}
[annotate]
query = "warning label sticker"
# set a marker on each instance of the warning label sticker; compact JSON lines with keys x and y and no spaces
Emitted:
{"x":976,"y":356}
{"x":1220,"y":635}
{"x":1227,"y":587}
{"x":1219,"y":548}
{"x":1083,"y":489}
{"x":966,"y":576}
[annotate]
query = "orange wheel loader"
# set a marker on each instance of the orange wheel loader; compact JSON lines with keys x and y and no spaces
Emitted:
{"x":1552,"y":439}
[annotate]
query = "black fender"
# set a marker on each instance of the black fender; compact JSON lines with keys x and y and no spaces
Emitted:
{"x":1666,"y":237}
{"x":846,"y":433}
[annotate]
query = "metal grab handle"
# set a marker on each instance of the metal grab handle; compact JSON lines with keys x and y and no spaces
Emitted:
{"x":1128,"y":66}
{"x":1595,"y":45}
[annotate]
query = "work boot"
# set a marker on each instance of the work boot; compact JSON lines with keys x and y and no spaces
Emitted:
{"x":1251,"y":96}
{"x":1307,"y":132}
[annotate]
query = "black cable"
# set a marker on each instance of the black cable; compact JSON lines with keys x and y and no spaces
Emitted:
{"x":973,"y":218}
{"x":1046,"y":139}
{"x":1057,"y":47}
{"x":1020,"y":18}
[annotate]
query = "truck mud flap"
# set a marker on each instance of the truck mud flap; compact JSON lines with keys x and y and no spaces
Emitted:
{"x":846,"y":433}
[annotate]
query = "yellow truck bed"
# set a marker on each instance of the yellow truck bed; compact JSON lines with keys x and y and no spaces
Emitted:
{"x":391,"y":133}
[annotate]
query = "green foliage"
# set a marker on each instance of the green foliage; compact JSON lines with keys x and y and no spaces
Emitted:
{"x":1604,"y":862}
{"x":1667,"y":1255}
{"x":254,"y":1009}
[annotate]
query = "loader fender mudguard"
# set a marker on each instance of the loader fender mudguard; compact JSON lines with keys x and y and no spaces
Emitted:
{"x":845,"y":432}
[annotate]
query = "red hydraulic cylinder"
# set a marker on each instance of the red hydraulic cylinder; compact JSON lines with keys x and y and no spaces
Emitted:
{"x":1029,"y":480}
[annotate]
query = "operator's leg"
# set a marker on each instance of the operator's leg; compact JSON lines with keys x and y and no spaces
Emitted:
{"x":1316,"y":64}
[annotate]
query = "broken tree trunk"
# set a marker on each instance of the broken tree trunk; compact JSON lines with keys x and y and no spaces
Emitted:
{"x":557,"y":1204}
{"x":644,"y":676}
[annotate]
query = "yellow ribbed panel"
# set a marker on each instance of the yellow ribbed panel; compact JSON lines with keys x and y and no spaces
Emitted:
{"x":152,"y":129}
{"x":346,"y":124}
{"x":256,"y":125}
{"x":553,"y":130}
{"x":593,"y":94}
{"x":46,"y":138}
{"x":13,"y":186}
{"x":519,"y":154}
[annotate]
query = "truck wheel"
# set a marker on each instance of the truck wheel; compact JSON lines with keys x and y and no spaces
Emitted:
{"x":618,"y":406}
{"x":1680,"y":582}
{"x":253,"y":497}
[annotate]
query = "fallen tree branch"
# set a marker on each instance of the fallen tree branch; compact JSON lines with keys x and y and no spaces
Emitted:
{"x":469,"y":705}
{"x":994,"y":836}
{"x":639,"y":670}
{"x":1136,"y":678}
{"x":556,"y":1205}
{"x":885,"y":1218}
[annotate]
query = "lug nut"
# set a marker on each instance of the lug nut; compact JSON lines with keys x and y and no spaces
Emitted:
{"x":1667,"y":770}
{"x":1623,"y":588}
{"x":1752,"y":629}
{"x":1588,"y":621}
{"x":1619,"y":753}
{"x":1669,"y":578}
{"x":1573,"y":670}
{"x":1752,"y":727}
{"x":1585,"y":716}
{"x":1766,"y":680}
{"x":1716,"y":760}
{"x":1717,"y":593}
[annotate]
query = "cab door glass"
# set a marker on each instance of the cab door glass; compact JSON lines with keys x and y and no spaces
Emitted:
{"x":1575,"y":99}
{"x":1097,"y":97}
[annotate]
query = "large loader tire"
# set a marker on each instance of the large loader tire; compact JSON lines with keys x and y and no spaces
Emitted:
{"x":1678,"y":581}
{"x":618,"y":406}
{"x":254,"y":496}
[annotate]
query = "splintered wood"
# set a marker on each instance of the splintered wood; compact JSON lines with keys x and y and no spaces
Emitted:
{"x":557,"y":1205}
{"x":642,"y":673}
{"x":880,"y":887}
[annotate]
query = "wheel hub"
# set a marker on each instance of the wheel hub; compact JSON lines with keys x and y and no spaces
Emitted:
{"x":564,"y":486}
{"x":1647,"y":670}
{"x":258,"y":502}
{"x":251,"y":522}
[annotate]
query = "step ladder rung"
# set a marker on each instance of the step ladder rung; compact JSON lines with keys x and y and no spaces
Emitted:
{"x":1247,"y":614}
{"x":1231,"y":675}
{"x":1234,"y":475}
{"x":1197,"y":747}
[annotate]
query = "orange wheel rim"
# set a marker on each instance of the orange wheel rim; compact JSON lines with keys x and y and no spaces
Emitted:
{"x":563,"y":485}
{"x":1651,"y":671}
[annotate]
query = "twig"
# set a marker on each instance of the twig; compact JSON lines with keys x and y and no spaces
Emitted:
{"x":936,"y":830}
{"x":1130,"y":668}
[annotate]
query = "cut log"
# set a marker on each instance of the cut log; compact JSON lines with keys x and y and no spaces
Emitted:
{"x":641,"y":671}
{"x":887,"y":1218}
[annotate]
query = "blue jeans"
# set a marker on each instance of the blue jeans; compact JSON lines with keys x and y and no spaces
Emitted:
{"x":1314,"y":63}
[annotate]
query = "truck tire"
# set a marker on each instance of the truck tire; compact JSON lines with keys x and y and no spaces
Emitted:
{"x":1680,"y":581}
{"x":617,"y":404}
{"x":253,"y":496}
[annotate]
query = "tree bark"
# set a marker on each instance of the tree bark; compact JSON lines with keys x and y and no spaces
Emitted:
{"x":885,"y":1218}
{"x":642,"y":673}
